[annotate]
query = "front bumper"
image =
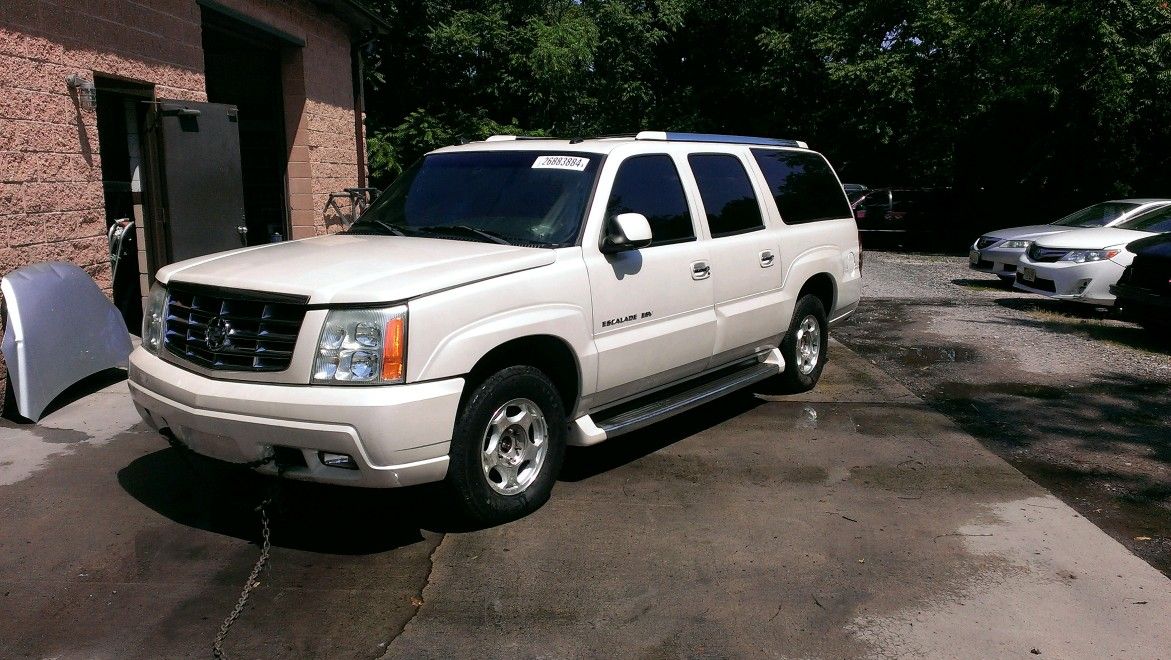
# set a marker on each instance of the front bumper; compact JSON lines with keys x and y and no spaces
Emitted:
{"x":399,"y":435}
{"x":1143,"y":297}
{"x":1087,"y":283}
{"x":997,"y":261}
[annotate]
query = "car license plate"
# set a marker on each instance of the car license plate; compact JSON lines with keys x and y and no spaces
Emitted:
{"x":1029,"y":274}
{"x":974,"y":257}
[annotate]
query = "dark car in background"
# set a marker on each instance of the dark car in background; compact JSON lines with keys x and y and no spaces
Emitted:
{"x":1143,"y":292}
{"x":854,"y":191}
{"x":914,"y":218}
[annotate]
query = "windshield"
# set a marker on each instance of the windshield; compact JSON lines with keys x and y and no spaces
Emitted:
{"x":1098,"y":215}
{"x":530,"y":198}
{"x":1155,"y":221}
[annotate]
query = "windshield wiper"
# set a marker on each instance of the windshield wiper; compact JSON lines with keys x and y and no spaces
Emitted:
{"x":465,"y":230}
{"x":394,"y":231}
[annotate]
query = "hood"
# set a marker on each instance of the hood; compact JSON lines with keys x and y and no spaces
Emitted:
{"x":1091,"y":239}
{"x":357,"y":269}
{"x":1028,"y":231}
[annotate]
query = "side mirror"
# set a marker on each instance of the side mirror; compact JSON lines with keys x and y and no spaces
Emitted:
{"x":626,"y":231}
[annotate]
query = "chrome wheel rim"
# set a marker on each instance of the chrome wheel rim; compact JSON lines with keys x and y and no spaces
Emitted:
{"x":514,"y":447}
{"x":808,"y":345}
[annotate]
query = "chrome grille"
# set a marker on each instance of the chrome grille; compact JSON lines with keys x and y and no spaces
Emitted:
{"x":985,"y":241}
{"x":1046,"y":255}
{"x":232,"y":330}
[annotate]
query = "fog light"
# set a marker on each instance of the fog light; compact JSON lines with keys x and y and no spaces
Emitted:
{"x":1082,"y":284}
{"x":344,"y":461}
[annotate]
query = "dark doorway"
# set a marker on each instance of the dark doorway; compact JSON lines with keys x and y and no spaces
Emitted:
{"x":121,"y":107}
{"x":242,"y":65}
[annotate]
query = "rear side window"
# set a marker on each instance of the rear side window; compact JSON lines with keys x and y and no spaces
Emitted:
{"x":650,"y":185}
{"x":727,"y":194}
{"x":803,"y":186}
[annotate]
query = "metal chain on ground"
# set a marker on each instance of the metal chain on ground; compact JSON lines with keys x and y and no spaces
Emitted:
{"x":217,"y":648}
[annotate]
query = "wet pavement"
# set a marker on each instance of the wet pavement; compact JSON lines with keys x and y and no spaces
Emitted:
{"x":854,"y":521}
{"x":1074,"y":397}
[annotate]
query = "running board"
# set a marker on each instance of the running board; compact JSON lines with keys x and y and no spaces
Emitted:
{"x":590,"y":431}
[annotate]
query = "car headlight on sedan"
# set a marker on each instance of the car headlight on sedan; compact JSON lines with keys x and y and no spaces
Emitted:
{"x":362,"y":347}
{"x":1084,"y":256}
{"x":1016,"y":245}
{"x":153,"y":321}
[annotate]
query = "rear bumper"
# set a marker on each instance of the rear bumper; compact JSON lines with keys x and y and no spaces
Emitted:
{"x":399,"y":435}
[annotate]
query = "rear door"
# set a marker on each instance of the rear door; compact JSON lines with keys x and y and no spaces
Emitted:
{"x":201,"y":185}
{"x":745,"y":257}
{"x":653,"y":316}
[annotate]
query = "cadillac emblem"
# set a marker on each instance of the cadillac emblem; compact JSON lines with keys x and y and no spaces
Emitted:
{"x":216,"y":336}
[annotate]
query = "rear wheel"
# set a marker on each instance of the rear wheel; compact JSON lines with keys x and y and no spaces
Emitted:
{"x":508,"y":446}
{"x":805,"y":347}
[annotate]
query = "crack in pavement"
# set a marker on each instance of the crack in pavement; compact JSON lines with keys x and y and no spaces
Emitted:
{"x":417,"y":600}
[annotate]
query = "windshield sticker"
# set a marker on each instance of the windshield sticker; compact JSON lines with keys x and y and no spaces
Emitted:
{"x":560,"y":163}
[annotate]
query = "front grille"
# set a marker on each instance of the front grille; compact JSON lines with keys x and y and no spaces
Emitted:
{"x":1038,"y":283}
{"x":984,"y":263}
{"x":232,"y":330}
{"x":985,"y":241}
{"x":1046,"y":255}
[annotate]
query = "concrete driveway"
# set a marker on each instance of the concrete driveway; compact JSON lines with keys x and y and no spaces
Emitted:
{"x":851,"y":522}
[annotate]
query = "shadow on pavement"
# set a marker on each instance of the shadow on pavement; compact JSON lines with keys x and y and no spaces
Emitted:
{"x":218,"y":497}
{"x":585,"y":462}
{"x":983,"y":284}
{"x":1085,"y":320}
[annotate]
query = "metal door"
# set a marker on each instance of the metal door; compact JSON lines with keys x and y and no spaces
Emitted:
{"x":202,"y":185}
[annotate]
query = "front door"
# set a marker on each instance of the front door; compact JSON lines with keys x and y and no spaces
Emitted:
{"x":653,"y":316}
{"x":202,"y":205}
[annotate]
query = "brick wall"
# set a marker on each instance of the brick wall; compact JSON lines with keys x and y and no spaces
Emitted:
{"x":51,"y":203}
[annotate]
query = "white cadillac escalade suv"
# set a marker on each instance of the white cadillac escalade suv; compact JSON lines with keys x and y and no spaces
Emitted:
{"x":500,"y":301}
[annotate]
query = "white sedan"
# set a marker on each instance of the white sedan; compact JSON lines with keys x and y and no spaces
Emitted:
{"x":999,"y":252}
{"x":1081,"y":265}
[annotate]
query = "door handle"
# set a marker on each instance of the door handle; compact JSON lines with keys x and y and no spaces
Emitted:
{"x":242,"y":230}
{"x":700,"y":270}
{"x":767,"y":258}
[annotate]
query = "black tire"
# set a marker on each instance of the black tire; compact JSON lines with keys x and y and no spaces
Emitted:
{"x":479,"y":499}
{"x":793,"y":380}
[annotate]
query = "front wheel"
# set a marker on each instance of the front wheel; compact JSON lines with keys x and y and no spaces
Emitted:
{"x":508,"y":446}
{"x":805,"y":347}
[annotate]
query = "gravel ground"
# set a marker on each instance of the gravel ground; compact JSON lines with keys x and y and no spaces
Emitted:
{"x":1073,"y":396}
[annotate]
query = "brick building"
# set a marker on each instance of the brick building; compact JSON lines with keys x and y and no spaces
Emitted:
{"x":210,"y":123}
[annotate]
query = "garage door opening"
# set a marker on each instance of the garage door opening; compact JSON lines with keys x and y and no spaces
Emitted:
{"x":243,"y":68}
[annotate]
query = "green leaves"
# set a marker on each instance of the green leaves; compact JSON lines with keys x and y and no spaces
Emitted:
{"x":1028,"y":99}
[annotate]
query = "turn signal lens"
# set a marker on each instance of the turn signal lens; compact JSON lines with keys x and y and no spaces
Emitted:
{"x":393,"y":355}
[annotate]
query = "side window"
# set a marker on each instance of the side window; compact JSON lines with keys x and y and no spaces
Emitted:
{"x":803,"y":185}
{"x":650,"y":185}
{"x":727,"y":194}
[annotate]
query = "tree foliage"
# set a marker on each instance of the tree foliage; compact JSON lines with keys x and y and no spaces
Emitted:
{"x":1040,"y":103}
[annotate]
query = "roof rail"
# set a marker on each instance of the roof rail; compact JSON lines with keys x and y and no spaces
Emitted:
{"x":725,"y":139}
{"x":510,"y":138}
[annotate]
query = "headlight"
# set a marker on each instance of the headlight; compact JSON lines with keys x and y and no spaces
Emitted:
{"x":1083,"y":256}
{"x":362,"y":347}
{"x":1016,"y":245}
{"x":153,"y":322}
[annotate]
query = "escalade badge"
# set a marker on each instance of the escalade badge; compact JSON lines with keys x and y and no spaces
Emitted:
{"x":216,"y":335}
